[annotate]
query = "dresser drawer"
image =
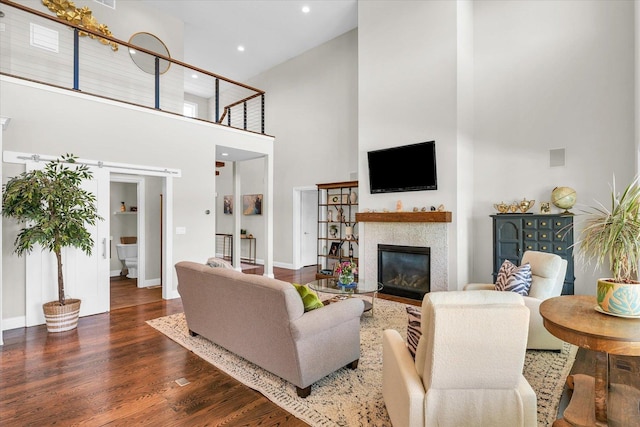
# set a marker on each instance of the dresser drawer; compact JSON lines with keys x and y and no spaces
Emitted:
{"x":538,"y":223}
{"x":540,"y":235}
{"x":539,"y":246}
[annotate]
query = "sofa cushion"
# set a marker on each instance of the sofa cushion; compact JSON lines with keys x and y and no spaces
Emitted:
{"x":309,"y":298}
{"x":513,"y":278}
{"x":218,"y":263}
{"x":414,"y":328}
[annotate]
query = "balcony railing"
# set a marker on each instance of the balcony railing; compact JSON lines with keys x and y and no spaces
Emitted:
{"x":40,"y":47}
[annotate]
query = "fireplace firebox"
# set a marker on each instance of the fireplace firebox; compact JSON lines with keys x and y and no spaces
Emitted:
{"x":405,"y":271}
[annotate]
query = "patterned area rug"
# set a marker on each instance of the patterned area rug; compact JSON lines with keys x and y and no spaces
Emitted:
{"x":354,"y":397}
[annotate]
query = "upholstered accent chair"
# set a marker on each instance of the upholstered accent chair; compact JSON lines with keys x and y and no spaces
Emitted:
{"x":468,"y":365}
{"x":547,"y":277}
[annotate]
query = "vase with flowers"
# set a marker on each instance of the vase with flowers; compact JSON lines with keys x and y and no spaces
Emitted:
{"x":346,"y":273}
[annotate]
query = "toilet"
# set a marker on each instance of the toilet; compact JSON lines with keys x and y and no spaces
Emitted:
{"x":128,"y":255}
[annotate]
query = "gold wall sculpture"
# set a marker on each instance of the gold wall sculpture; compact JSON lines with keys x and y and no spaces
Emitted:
{"x":83,"y":17}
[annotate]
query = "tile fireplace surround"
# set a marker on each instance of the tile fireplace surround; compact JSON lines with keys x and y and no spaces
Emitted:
{"x":428,"y":229}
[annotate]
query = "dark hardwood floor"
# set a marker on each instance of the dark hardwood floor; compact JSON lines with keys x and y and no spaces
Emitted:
{"x":116,"y":370}
{"x":126,"y":293}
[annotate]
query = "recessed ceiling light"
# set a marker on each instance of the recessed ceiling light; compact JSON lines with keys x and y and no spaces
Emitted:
{"x":132,"y":51}
{"x":306,"y":9}
{"x":194,"y":76}
{"x":240,"y":48}
{"x":225,"y":154}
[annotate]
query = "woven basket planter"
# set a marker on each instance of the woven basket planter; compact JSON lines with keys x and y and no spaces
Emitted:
{"x":61,"y":318}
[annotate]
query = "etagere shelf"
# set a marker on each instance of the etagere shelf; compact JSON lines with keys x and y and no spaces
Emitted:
{"x":337,"y":235}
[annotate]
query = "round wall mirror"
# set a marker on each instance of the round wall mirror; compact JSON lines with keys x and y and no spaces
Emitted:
{"x":144,"y":61}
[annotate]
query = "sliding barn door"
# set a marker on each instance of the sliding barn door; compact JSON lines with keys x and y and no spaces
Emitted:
{"x":85,"y":277}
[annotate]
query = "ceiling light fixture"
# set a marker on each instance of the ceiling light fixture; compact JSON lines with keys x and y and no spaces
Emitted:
{"x":225,"y":154}
{"x":132,"y":51}
{"x":240,"y":48}
{"x":195,"y":76}
{"x":306,"y":9}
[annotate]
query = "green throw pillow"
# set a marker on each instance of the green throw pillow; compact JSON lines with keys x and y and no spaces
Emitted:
{"x":309,"y":298}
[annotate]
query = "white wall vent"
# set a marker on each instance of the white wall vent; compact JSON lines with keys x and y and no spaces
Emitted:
{"x":557,"y":157}
{"x":108,"y":3}
{"x":44,"y":38}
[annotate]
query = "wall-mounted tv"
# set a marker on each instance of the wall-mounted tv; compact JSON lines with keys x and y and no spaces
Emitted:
{"x":405,"y":168}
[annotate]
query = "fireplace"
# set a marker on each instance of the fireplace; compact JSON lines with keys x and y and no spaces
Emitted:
{"x":405,"y":271}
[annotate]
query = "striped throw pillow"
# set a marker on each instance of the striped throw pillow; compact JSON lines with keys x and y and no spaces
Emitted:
{"x":513,"y":278}
{"x":414,"y":329}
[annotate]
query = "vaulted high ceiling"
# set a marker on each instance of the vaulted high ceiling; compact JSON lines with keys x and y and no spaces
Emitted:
{"x":271,"y":31}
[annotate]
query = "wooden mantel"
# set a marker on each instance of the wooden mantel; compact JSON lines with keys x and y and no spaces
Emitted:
{"x":403,"y":217}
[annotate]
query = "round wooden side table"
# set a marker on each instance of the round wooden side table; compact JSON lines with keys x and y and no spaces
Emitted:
{"x":573,"y":319}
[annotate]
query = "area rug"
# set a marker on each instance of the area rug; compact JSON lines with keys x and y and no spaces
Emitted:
{"x":354,"y":397}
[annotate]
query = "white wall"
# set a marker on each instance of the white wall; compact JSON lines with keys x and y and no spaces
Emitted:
{"x":537,"y":76}
{"x":311,"y":108}
{"x":407,"y":77}
{"x":550,"y":75}
{"x":102,"y":71}
{"x":108,"y":131}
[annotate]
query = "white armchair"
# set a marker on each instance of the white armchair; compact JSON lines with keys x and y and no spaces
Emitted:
{"x":547,"y":277}
{"x":468,"y":366}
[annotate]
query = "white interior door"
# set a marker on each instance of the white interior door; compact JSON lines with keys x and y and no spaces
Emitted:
{"x":309,"y":228}
{"x":85,"y":277}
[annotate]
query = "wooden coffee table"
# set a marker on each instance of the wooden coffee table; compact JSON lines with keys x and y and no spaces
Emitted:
{"x":573,"y":319}
{"x":331,"y":286}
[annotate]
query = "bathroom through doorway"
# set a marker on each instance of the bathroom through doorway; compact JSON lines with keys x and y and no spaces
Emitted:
{"x":134,"y":252}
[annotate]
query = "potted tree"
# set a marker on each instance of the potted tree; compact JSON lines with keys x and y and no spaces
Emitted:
{"x":55,"y":211}
{"x":613,"y":235}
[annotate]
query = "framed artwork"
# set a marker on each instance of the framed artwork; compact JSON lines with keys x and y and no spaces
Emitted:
{"x":252,"y":204}
{"x":545,"y":208}
{"x":228,"y":205}
{"x":335,"y":249}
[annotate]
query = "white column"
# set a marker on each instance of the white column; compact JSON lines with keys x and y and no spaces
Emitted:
{"x":168,"y":290}
{"x":4,"y":121}
{"x":237,"y":216}
{"x":267,"y":212}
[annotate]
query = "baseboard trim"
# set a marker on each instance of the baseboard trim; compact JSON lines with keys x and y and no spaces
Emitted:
{"x":150,"y":282}
{"x":14,"y":323}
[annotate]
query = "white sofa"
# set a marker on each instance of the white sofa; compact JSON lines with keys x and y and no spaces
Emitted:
{"x":468,"y":365}
{"x":547,"y":277}
{"x":263,"y":320}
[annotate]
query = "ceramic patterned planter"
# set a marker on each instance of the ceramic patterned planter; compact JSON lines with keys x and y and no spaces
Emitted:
{"x":619,"y":299}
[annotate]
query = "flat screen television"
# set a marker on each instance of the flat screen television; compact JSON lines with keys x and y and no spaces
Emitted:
{"x":405,"y":168}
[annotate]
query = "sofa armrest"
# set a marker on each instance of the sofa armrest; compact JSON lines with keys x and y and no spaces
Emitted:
{"x":332,"y":315}
{"x":480,"y":287}
{"x":529,"y":403}
{"x":539,"y":338}
{"x":402,"y":388}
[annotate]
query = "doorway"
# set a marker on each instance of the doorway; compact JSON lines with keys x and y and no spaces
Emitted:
{"x":87,"y":277}
{"x":305,"y":226}
{"x":135,"y":261}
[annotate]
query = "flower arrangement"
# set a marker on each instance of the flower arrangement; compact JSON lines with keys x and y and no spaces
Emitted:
{"x":347,"y":267}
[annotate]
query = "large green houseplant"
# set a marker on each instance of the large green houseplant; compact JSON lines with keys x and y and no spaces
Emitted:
{"x":55,"y":211}
{"x":613,"y":235}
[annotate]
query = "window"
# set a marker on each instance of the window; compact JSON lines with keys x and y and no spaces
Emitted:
{"x":108,"y":3}
{"x":190,"y":109}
